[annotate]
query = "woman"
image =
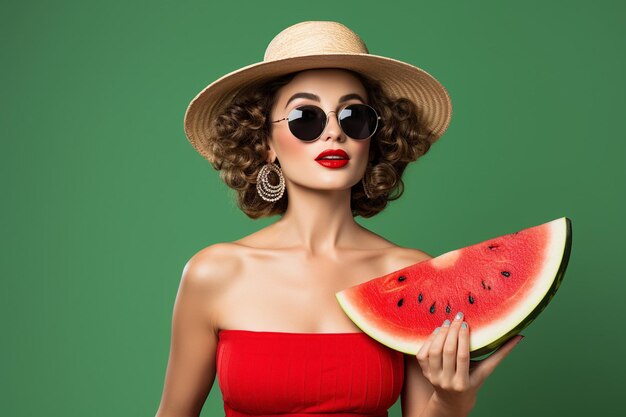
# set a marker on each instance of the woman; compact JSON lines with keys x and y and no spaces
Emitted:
{"x":311,"y":134}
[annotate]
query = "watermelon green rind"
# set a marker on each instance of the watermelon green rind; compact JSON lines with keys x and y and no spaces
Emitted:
{"x":487,"y":338}
{"x":547,"y":297}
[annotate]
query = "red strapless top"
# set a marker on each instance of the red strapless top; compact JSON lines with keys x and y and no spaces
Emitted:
{"x":265,"y":374}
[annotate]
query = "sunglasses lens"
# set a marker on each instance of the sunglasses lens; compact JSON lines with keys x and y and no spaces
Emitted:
{"x":307,"y":122}
{"x":358,"y":121}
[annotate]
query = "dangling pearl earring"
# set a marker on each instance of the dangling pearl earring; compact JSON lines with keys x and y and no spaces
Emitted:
{"x":267,"y":191}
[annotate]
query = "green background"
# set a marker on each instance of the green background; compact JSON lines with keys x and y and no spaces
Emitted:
{"x":105,"y":200}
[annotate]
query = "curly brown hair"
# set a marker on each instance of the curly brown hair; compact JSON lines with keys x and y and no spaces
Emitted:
{"x":243,"y":128}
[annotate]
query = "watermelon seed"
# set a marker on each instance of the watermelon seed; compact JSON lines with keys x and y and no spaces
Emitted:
{"x":484,"y":286}
{"x":471,"y":299}
{"x":506,"y":273}
{"x":401,"y":278}
{"x":432,"y":308}
{"x":400,"y":301}
{"x":448,"y":309}
{"x":420,"y":298}
{"x":493,"y":246}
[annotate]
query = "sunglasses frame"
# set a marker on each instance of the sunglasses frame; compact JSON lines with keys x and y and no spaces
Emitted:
{"x":328,"y":116}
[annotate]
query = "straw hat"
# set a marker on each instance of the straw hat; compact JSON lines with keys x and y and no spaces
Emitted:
{"x":320,"y":44}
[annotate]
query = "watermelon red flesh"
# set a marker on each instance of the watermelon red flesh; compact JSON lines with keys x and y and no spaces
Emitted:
{"x":500,"y":285}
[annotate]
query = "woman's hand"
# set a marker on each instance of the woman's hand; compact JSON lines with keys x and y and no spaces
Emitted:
{"x":445,"y":362}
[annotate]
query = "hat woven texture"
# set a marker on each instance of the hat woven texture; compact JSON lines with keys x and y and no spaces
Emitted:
{"x":320,"y":44}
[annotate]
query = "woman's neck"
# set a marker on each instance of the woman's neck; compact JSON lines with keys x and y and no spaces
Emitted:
{"x":318,"y":221}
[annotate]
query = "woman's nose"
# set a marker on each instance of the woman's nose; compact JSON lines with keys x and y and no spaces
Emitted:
{"x":332,"y":129}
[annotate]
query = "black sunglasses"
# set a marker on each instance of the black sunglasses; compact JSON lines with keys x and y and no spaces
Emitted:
{"x":307,"y":123}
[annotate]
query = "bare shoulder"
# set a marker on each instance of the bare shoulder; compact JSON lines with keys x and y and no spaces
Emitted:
{"x":213,"y":266}
{"x":400,"y":257}
{"x":393,"y":256}
{"x":207,"y":275}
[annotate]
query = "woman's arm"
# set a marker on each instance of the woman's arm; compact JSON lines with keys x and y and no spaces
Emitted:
{"x":191,"y":366}
{"x":416,"y":391}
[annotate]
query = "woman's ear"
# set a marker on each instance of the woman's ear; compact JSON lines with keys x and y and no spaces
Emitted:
{"x":271,"y":154}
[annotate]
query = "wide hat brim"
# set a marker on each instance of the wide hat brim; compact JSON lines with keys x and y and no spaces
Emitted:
{"x":398,"y":79}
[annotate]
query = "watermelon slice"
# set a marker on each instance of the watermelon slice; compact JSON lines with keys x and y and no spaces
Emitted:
{"x":500,"y":285}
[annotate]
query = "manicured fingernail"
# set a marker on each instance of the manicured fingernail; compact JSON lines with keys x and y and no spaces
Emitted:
{"x":446,"y":323}
{"x":458,"y":316}
{"x":436,"y":330}
{"x":464,"y":325}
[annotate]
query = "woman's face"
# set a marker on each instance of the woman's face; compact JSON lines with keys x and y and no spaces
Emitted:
{"x":333,"y":88}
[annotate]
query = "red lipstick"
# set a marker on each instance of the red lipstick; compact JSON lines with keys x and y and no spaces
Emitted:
{"x":333,"y":158}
